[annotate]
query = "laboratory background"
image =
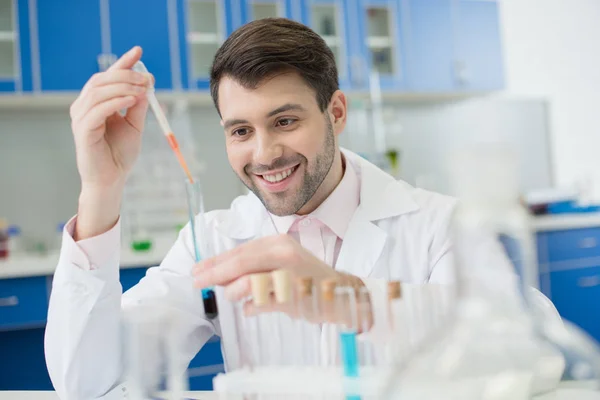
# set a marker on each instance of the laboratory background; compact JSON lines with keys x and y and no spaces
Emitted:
{"x":424,"y":79}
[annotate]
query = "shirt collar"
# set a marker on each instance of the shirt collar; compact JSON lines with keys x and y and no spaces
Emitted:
{"x":337,"y":209}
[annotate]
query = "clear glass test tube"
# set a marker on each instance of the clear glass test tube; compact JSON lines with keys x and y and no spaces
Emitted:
{"x":346,"y":312}
{"x":201,"y":243}
{"x":367,"y":353}
{"x":308,"y":343}
{"x":327,"y":316}
{"x":284,"y":299}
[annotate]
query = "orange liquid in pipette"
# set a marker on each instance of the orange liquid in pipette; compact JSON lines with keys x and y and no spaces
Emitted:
{"x":175,"y":146}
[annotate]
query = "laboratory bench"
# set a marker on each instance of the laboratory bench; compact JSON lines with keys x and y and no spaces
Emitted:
{"x":565,"y":391}
{"x":25,"y":284}
{"x":569,"y":274}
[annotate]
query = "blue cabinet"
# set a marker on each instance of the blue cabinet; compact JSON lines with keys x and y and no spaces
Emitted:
{"x":257,"y":9}
{"x":153,"y":26}
{"x":570,"y":274}
{"x":206,"y":365}
{"x":23,"y":302}
{"x":203,"y":25}
{"x":479,"y":61}
{"x":69,"y":37}
{"x":15,"y":47}
{"x":331,"y":20}
{"x":414,"y":45}
{"x":377,"y":44}
{"x":427,"y":28}
{"x":574,"y":293}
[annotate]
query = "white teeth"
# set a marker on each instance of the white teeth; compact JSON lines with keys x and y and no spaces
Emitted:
{"x":278,"y":176}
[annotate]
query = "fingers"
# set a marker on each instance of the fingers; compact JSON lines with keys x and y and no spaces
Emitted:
{"x":117,"y":76}
{"x":98,"y":115}
{"x":238,"y":289}
{"x":261,"y":255}
{"x":128,"y":59}
{"x":98,"y":95}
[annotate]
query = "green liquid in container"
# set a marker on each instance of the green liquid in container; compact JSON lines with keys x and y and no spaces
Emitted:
{"x":141,"y":245}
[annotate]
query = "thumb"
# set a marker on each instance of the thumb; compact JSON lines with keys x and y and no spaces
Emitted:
{"x":136,"y":115}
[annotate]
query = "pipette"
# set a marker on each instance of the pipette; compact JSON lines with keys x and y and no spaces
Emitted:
{"x":162,"y":121}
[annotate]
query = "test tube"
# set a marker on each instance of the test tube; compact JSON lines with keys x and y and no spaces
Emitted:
{"x":282,"y":287}
{"x":202,"y":248}
{"x":345,"y":308}
{"x":260,"y":287}
{"x":399,"y":324}
{"x":307,"y":343}
{"x":365,"y":320}
{"x":326,"y":314}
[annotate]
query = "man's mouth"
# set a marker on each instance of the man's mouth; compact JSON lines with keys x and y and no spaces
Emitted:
{"x":277,"y":177}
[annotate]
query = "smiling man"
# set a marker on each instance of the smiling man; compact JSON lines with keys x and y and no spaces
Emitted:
{"x":314,"y":209}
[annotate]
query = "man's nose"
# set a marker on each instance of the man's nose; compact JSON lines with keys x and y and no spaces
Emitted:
{"x":268,"y":148}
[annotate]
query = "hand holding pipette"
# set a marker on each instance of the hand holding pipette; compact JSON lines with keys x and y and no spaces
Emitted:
{"x":107,"y":143}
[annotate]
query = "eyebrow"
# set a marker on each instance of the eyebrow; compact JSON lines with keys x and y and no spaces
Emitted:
{"x":286,"y":107}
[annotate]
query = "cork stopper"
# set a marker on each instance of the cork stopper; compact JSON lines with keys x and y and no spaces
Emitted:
{"x":304,"y":286}
{"x":328,"y":289}
{"x":259,"y":284}
{"x":282,"y":285}
{"x":394,"y":290}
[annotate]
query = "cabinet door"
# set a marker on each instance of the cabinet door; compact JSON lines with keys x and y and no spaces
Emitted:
{"x":575,"y":294}
{"x":381,"y":44}
{"x":69,"y":41}
{"x":329,"y":18}
{"x":427,"y":29}
{"x":151,"y":25}
{"x":479,"y":63}
{"x":9,"y":63}
{"x":206,"y":24}
{"x":258,"y":9}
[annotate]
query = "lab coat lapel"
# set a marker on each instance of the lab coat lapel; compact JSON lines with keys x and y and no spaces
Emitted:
{"x":362,"y":246}
{"x":381,"y":197}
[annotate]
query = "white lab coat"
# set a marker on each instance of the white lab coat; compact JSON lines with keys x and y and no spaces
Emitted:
{"x":397,"y":233}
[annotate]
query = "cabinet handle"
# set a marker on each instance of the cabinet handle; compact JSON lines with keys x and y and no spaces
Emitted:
{"x":9,"y":301}
{"x":589,"y":281}
{"x":588,"y":243}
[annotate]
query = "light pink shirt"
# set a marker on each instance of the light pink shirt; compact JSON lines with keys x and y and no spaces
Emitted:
{"x":322,"y":231}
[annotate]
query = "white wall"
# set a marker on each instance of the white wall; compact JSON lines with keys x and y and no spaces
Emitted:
{"x":552,"y":49}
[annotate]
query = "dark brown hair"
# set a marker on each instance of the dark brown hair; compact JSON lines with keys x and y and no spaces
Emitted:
{"x":264,"y":47}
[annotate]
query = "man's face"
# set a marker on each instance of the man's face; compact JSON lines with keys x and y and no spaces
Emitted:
{"x":278,"y":141}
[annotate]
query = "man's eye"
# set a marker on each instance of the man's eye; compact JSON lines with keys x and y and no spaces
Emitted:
{"x":285,"y":122}
{"x":240,"y":132}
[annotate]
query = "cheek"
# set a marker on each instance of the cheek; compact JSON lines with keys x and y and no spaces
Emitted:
{"x":237,"y":157}
{"x":309,"y":141}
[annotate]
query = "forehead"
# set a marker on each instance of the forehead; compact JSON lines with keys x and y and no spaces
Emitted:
{"x":237,"y":101}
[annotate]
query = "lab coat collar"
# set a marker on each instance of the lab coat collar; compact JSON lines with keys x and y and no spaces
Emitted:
{"x":381,"y":196}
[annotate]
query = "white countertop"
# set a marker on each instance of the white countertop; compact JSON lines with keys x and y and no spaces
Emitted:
{"x":560,"y":394}
{"x":37,"y":266}
{"x":42,"y":395}
{"x":559,"y":222}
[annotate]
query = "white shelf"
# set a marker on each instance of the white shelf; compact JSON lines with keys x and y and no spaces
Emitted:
{"x":7,"y":36}
{"x":45,"y":265}
{"x":62,"y":100}
{"x":379,"y":42}
{"x":559,"y":222}
{"x":198,"y":38}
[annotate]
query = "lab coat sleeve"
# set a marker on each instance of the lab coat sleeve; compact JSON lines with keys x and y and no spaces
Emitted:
{"x":83,"y":341}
